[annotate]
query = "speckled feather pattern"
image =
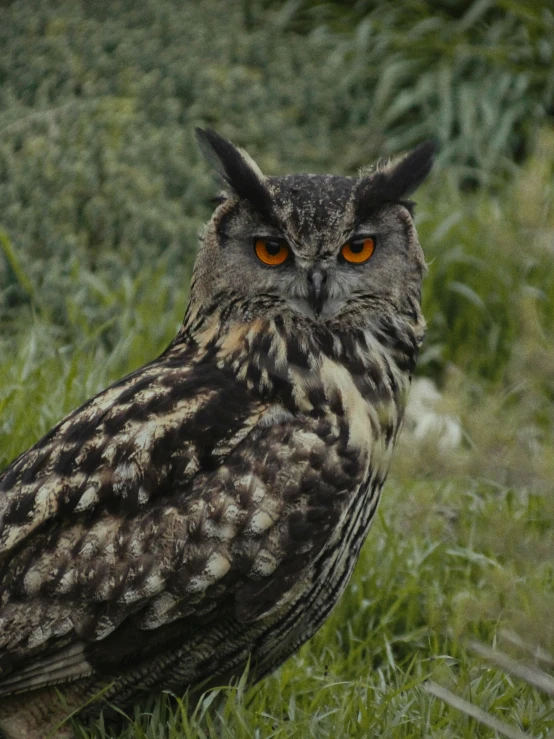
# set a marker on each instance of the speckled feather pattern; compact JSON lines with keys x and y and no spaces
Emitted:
{"x":209,"y":508}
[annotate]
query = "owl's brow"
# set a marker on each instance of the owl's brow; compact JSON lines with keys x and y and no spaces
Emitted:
{"x":267,"y":227}
{"x":369,"y":200}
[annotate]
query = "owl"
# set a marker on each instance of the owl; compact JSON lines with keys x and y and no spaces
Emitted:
{"x":207,"y":510}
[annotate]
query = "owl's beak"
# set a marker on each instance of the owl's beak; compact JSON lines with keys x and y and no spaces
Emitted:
{"x":317,"y":288}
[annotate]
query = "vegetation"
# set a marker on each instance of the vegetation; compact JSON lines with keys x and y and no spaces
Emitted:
{"x":102,"y":193}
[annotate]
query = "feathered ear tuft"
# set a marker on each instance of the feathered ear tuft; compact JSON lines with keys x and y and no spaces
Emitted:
{"x":397,"y":180}
{"x":405,"y":176}
{"x":237,"y":169}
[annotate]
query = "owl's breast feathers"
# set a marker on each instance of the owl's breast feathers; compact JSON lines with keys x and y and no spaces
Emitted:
{"x":202,"y":487}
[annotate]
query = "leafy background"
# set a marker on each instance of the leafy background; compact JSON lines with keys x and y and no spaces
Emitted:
{"x":102,"y":193}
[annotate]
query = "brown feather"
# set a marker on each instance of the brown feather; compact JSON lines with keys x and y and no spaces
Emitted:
{"x":209,"y":508}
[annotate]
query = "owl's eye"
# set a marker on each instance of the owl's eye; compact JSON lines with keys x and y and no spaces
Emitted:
{"x":271,"y":252}
{"x":358,"y":251}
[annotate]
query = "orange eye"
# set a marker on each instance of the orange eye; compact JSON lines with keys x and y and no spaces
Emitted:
{"x":271,"y":252}
{"x":358,"y":251}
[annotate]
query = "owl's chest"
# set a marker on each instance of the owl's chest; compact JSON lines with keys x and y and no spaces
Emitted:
{"x":350,"y":511}
{"x":363,"y":415}
{"x":363,"y":428}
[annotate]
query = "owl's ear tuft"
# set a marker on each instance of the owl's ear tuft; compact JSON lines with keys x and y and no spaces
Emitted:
{"x":238,"y":170}
{"x":396,"y":180}
{"x":403,"y":177}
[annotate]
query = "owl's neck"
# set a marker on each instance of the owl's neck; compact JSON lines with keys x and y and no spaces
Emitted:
{"x":283,"y":357}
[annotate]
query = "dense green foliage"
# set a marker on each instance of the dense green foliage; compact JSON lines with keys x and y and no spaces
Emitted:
{"x":102,"y":193}
{"x":99,"y":173}
{"x":478,"y":75}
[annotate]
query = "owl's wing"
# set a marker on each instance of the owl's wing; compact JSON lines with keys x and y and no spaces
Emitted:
{"x":239,"y":506}
{"x":128,"y":445}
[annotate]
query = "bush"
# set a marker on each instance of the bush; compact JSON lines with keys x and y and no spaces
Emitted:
{"x":99,"y":174}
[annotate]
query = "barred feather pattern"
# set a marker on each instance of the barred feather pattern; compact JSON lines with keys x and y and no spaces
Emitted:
{"x":170,"y":506}
{"x":207,"y":511}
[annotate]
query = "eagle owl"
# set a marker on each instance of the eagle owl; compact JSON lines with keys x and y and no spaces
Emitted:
{"x":208,"y":509}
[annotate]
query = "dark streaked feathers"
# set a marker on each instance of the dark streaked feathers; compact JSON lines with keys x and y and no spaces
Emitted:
{"x":208,"y":509}
{"x":237,"y":169}
{"x":397,"y":181}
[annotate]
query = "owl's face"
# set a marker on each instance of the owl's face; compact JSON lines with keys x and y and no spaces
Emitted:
{"x":317,"y":246}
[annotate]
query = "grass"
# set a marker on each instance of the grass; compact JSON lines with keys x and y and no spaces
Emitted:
{"x":429,"y":580}
{"x":446,"y":630}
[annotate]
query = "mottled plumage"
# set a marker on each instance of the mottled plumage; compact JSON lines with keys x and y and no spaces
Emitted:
{"x":209,"y":508}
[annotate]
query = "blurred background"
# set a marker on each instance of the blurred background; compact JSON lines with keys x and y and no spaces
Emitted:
{"x":102,"y":194}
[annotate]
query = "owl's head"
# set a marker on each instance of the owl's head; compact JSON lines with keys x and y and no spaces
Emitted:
{"x":324,"y":248}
